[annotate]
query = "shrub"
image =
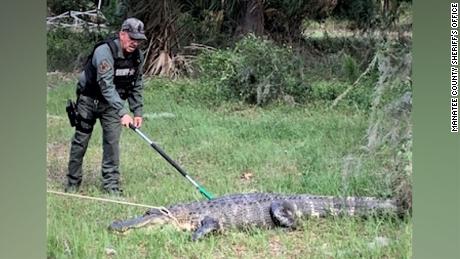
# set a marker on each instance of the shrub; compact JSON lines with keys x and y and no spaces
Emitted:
{"x":67,"y":50}
{"x":350,"y":68}
{"x":255,"y":71}
{"x":336,"y":58}
{"x":326,"y":90}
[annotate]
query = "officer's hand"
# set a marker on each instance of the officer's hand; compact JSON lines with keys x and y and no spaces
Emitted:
{"x":137,"y":122}
{"x":126,"y":120}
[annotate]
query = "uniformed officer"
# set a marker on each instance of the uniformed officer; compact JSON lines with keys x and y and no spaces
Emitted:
{"x":112,"y":74}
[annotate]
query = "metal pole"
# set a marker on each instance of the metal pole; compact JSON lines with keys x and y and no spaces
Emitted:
{"x":172,"y":162}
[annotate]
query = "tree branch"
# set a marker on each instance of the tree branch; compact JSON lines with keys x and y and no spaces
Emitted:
{"x":342,"y":95}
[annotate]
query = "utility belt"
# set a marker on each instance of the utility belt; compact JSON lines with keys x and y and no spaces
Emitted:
{"x":75,"y":118}
{"x":97,"y":95}
{"x":82,"y":122}
{"x":72,"y":110}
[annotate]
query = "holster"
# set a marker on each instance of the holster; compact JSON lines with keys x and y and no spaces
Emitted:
{"x":72,"y":113}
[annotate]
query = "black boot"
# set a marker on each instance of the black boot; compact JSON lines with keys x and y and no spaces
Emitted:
{"x":114,"y":190}
{"x":72,"y":188}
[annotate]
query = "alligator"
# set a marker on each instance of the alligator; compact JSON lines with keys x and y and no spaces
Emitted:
{"x":265,"y":210}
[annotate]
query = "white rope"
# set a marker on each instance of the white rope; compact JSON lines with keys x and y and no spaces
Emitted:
{"x":163,"y":210}
{"x":104,"y":200}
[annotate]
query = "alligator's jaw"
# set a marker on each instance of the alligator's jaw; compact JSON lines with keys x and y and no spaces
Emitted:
{"x":122,"y":226}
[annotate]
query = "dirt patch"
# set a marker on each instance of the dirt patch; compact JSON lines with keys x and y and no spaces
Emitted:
{"x":58,"y":158}
{"x":247,"y":176}
{"x":275,"y":246}
{"x":56,"y":163}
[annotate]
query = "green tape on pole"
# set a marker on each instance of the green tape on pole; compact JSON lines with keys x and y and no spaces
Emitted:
{"x":205,"y":193}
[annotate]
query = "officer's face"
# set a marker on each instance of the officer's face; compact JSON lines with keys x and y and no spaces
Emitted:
{"x":129,"y":45}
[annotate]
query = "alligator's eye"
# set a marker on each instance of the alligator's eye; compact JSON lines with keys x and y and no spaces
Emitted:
{"x":165,"y":211}
{"x":153,"y":211}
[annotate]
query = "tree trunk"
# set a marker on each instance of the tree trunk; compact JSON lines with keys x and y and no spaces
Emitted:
{"x":159,"y":18}
{"x":252,"y":18}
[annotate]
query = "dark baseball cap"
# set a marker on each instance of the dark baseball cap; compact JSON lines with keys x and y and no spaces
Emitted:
{"x":135,"y":28}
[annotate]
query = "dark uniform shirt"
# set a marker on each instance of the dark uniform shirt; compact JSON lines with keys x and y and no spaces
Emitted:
{"x":104,"y":62}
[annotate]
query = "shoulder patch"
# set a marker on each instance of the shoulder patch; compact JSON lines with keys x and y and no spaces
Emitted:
{"x":104,"y":67}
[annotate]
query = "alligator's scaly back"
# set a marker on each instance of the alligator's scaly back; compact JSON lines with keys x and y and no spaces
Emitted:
{"x":254,"y":210}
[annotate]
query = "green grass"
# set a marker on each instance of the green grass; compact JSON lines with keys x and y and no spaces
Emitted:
{"x":228,"y":149}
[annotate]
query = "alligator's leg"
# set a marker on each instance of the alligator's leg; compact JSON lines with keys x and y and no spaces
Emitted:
{"x":207,"y":225}
{"x":283,"y":214}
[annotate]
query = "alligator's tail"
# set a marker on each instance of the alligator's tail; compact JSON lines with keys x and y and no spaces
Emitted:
{"x":359,"y":206}
{"x":364,"y":206}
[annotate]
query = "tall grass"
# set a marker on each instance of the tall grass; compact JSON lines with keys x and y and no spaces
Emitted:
{"x":228,"y":148}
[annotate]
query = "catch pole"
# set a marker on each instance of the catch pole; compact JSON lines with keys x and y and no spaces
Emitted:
{"x":172,"y":162}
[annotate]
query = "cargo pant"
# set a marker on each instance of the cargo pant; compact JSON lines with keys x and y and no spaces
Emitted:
{"x":89,"y":110}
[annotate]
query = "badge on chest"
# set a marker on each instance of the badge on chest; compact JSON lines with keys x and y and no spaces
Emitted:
{"x":125,"y":72}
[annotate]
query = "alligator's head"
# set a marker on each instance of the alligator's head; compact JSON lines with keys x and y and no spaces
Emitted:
{"x":154,"y":217}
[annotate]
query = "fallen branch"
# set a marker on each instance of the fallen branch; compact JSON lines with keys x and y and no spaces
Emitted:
{"x":93,"y":19}
{"x":342,"y":95}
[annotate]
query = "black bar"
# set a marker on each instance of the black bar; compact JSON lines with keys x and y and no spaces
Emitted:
{"x":172,"y":162}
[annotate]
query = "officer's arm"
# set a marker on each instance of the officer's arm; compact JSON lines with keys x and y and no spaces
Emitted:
{"x":135,"y":98}
{"x":103,"y":61}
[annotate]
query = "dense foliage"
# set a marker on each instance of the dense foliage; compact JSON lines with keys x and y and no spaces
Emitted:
{"x":255,"y":71}
{"x":258,"y":71}
{"x":67,"y":50}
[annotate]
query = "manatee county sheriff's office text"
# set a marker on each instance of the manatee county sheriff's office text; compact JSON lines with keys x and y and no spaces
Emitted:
{"x":454,"y":67}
